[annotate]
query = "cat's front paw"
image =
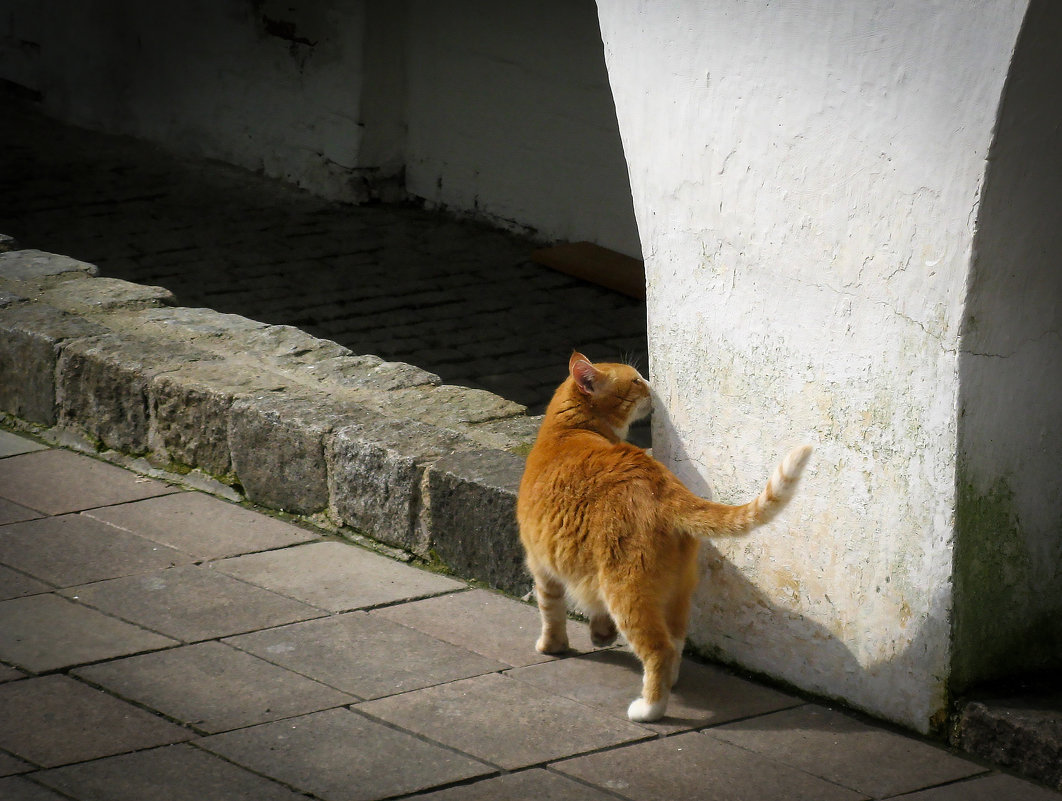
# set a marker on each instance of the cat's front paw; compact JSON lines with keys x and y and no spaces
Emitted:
{"x":641,"y":711}
{"x":551,"y":645}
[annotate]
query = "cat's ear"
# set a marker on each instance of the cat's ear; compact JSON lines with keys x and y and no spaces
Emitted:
{"x":584,"y":373}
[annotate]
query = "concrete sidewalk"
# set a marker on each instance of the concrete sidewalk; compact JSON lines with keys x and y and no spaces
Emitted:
{"x":161,"y":643}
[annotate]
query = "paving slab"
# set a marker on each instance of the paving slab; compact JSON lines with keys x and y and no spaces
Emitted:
{"x":873,"y":761}
{"x":173,"y":772}
{"x":11,"y":512}
{"x":191,"y":603}
{"x":10,"y":765}
{"x":73,"y":549}
{"x":18,"y":789}
{"x":997,"y":787}
{"x":58,"y":481}
{"x":535,"y":784}
{"x":13,"y":444}
{"x":55,"y":720}
{"x":485,"y":622}
{"x":503,"y":721}
{"x":46,"y":632}
{"x":16,"y":585}
{"x":335,"y":576}
{"x":8,"y":673}
{"x":692,"y":765}
{"x":339,"y":755}
{"x":610,"y":680}
{"x":213,"y":687}
{"x":364,"y":655}
{"x":202,"y":526}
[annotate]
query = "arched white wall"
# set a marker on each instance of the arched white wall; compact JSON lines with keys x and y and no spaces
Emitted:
{"x":806,"y":179}
{"x":1009,"y":526}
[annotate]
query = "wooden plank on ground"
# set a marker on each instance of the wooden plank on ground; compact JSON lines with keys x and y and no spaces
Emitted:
{"x":596,"y":264}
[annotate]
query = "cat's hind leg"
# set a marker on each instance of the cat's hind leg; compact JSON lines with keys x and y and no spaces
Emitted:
{"x":549,"y":592}
{"x":645,"y":628}
{"x":677,"y":610}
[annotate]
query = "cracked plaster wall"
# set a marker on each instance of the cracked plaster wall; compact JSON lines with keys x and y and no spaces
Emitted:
{"x":806,"y":181}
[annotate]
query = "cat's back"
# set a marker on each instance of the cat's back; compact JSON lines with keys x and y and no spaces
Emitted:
{"x":581,"y":467}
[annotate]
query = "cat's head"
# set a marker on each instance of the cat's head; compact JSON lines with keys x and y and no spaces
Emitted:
{"x":617,"y":393}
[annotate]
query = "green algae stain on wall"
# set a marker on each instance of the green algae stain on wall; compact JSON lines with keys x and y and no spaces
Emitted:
{"x":993,"y":635}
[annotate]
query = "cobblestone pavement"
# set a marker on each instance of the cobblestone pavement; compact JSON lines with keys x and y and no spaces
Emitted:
{"x":456,"y":298}
{"x":158,"y":643}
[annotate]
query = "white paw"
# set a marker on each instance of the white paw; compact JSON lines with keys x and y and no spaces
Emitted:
{"x":550,"y":646}
{"x":641,"y":711}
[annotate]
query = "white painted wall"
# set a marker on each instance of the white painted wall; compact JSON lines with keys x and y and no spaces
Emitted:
{"x":500,"y":110}
{"x":510,"y":115}
{"x":806,"y":178}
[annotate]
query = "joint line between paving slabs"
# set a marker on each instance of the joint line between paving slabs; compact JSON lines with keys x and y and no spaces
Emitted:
{"x":296,"y":790}
{"x":550,"y":768}
{"x":424,"y":738}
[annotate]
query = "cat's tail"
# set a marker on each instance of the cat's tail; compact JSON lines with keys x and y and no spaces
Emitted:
{"x":710,"y":519}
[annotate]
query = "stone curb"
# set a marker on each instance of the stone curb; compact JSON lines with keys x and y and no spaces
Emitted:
{"x":1020,"y":730}
{"x":264,"y":413}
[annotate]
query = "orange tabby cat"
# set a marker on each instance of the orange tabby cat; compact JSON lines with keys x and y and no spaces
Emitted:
{"x":615,"y":530}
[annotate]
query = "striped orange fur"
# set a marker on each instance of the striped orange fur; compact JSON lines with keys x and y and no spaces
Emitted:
{"x":615,"y":531}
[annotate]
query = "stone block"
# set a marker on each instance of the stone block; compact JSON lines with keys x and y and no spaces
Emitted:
{"x":367,"y":373}
{"x":30,"y":340}
{"x":277,"y":443}
{"x":189,"y":411}
{"x":1022,"y":730}
{"x":470,"y":512}
{"x":285,"y":343}
{"x":102,"y":387}
{"x":22,"y":265}
{"x":193,"y":324}
{"x":448,"y":406}
{"x":104,"y":294}
{"x":376,"y":470}
{"x":515,"y":434}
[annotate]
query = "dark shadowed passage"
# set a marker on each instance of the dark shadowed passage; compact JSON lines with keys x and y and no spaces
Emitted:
{"x":457,"y":298}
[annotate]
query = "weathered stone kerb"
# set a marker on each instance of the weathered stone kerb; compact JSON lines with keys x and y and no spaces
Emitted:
{"x":270,"y":413}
